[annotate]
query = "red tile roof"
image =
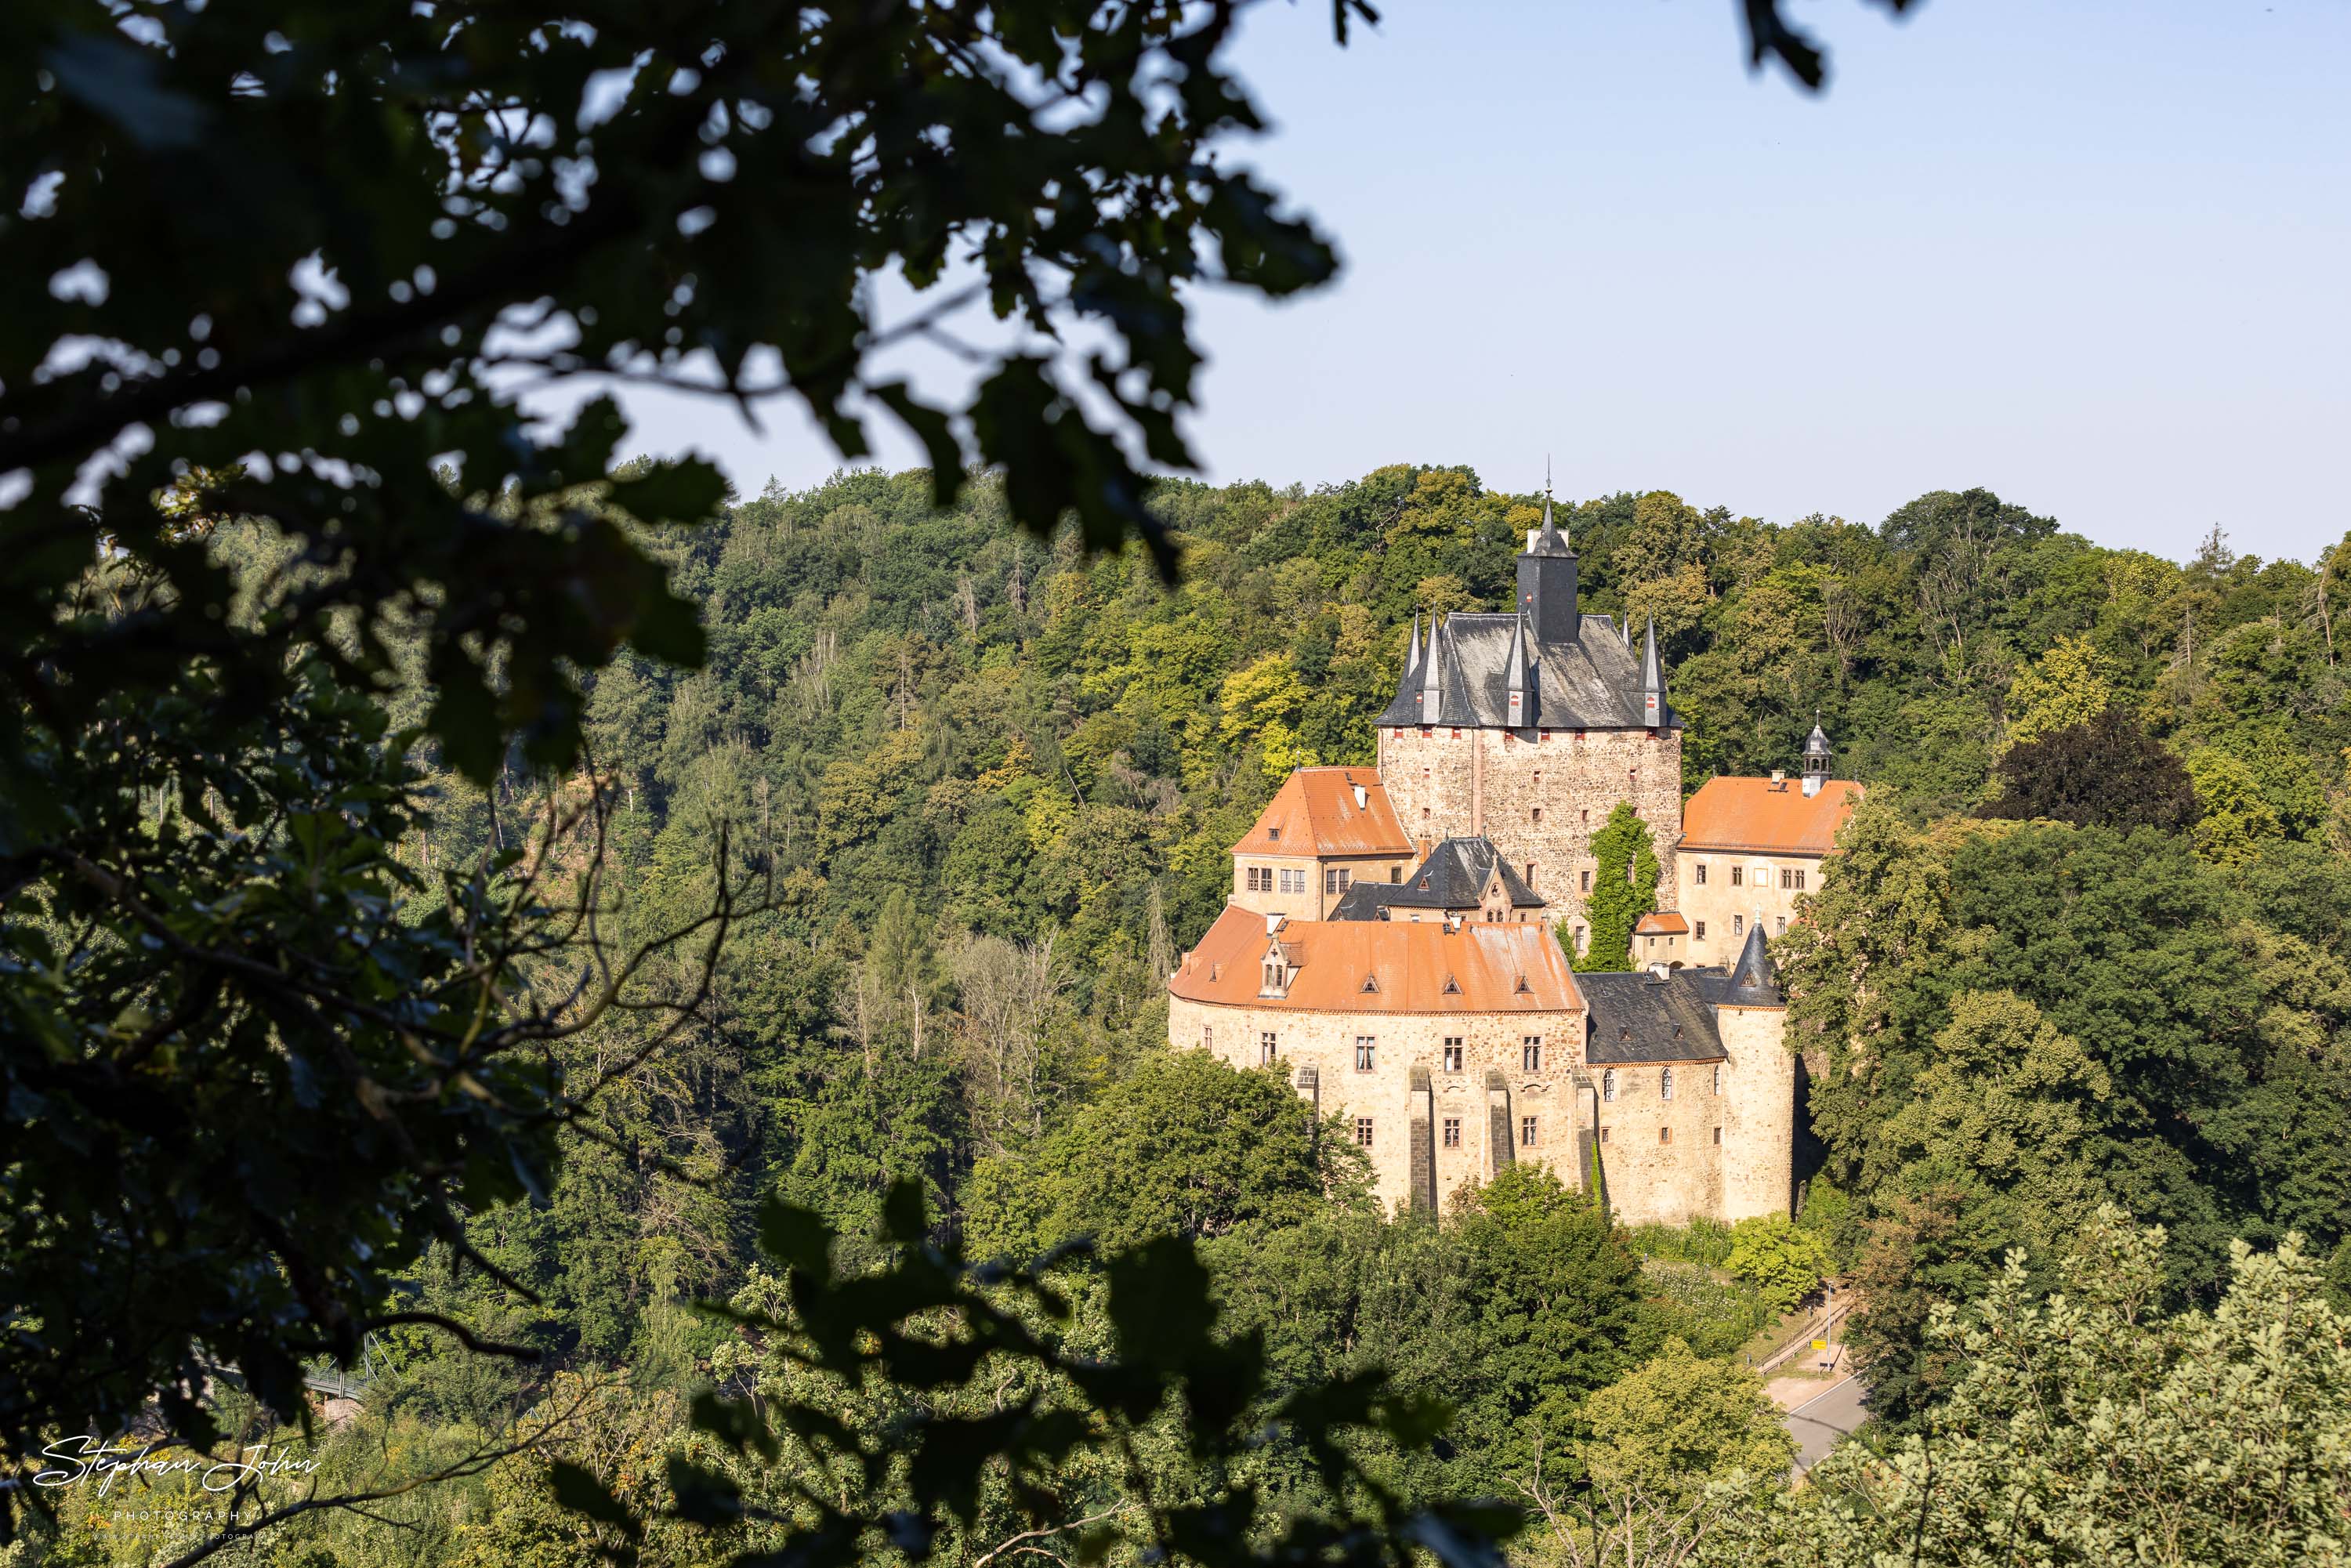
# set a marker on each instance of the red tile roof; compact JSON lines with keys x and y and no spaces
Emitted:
{"x":1665,"y":923}
{"x":1315,"y":813}
{"x":1770,"y":819}
{"x":1492,"y":967}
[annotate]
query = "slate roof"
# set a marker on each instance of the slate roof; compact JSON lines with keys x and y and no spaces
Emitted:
{"x":1770,"y":819}
{"x":1314,"y":813}
{"x":1410,"y":968}
{"x":1639,"y":1017}
{"x":1592,"y":682}
{"x":1754,"y":981}
{"x":1645,"y":1017}
{"x":1456,"y":872}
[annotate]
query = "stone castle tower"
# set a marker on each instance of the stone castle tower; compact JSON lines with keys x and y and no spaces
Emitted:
{"x":1527,"y":726}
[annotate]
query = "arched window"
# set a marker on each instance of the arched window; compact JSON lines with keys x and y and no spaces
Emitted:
{"x":1665,"y":1084}
{"x":1608,"y":1084}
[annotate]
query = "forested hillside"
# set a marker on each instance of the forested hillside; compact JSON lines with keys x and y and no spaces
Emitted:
{"x":2085,"y":947}
{"x":995,"y":780}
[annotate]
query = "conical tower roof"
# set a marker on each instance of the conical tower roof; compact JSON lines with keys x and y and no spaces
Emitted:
{"x":1755,"y":979}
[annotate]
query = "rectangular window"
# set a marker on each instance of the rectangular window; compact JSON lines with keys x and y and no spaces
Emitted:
{"x":1697,"y":931}
{"x":1330,"y":883}
{"x":1587,"y":811}
{"x":1365,"y":1048}
{"x":1735,"y":874}
{"x":1718,"y":1134}
{"x":1737,"y":924}
{"x":1453,"y":1053}
{"x":1701,"y":874}
{"x":1800,"y":879}
{"x":1526,"y":1131}
{"x":1536,"y":815}
{"x":1787,"y":879}
{"x":1265,"y":1049}
{"x":1530,"y":1054}
{"x":1531,"y":873}
{"x":1784,"y":925}
{"x":1346,"y":879}
{"x":1604,"y":1134}
{"x":1584,"y":881}
{"x":1717,"y":1078}
{"x":1452,"y":1132}
{"x":1664,"y":1135}
{"x":1363,"y":1131}
{"x":1207,"y":1037}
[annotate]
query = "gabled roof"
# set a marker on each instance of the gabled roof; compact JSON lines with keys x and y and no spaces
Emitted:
{"x":1641,"y":1017}
{"x":1770,"y":819}
{"x":1314,"y":813}
{"x":1408,"y":966}
{"x":1455,"y":873}
{"x":1665,"y":923}
{"x":1592,"y":682}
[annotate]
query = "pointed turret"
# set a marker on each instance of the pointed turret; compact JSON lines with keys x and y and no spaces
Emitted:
{"x":1519,"y":678}
{"x":1754,"y":980}
{"x":1654,"y":711}
{"x":1432,"y":674}
{"x":1404,"y":682}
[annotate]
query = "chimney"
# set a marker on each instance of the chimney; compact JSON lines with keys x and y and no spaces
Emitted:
{"x":1272,"y":924}
{"x":1812,"y":785}
{"x":1779,"y":778}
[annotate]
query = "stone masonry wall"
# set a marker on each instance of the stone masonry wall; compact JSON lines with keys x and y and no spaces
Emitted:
{"x":1491,"y":1043}
{"x":1651,"y":1178}
{"x":1451,"y":782}
{"x":1759,"y":1134}
{"x":1749,"y":1172}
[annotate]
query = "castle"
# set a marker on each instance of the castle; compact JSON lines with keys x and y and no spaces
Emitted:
{"x":1393,"y":941}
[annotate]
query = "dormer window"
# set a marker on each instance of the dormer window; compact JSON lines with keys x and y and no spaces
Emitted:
{"x":1523,"y":989}
{"x":1452,"y":987}
{"x":1273,"y":835}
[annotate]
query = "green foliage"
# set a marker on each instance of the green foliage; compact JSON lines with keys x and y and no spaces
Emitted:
{"x":1008,"y":1413}
{"x":1679,"y":1423}
{"x":2053,"y":1016}
{"x":2064,"y":687}
{"x":1624,"y":888}
{"x":2095,"y":1426}
{"x":2106,"y":772}
{"x":1184,"y":1146}
{"x":1784,"y":1262}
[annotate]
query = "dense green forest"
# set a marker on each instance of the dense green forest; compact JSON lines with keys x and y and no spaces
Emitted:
{"x":2085,"y":947}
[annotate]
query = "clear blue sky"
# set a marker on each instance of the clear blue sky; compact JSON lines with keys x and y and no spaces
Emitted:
{"x":2094,"y":255}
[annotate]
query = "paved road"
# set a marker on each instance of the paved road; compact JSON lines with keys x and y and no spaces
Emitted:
{"x":1820,"y":1421}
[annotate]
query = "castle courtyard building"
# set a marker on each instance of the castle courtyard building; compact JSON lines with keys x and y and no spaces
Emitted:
{"x":1751,"y":849}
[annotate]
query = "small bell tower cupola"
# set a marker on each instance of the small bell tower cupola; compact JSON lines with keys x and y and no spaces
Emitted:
{"x":1817,"y":757}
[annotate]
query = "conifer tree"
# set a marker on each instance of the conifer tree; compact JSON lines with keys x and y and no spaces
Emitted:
{"x":1624,"y":887}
